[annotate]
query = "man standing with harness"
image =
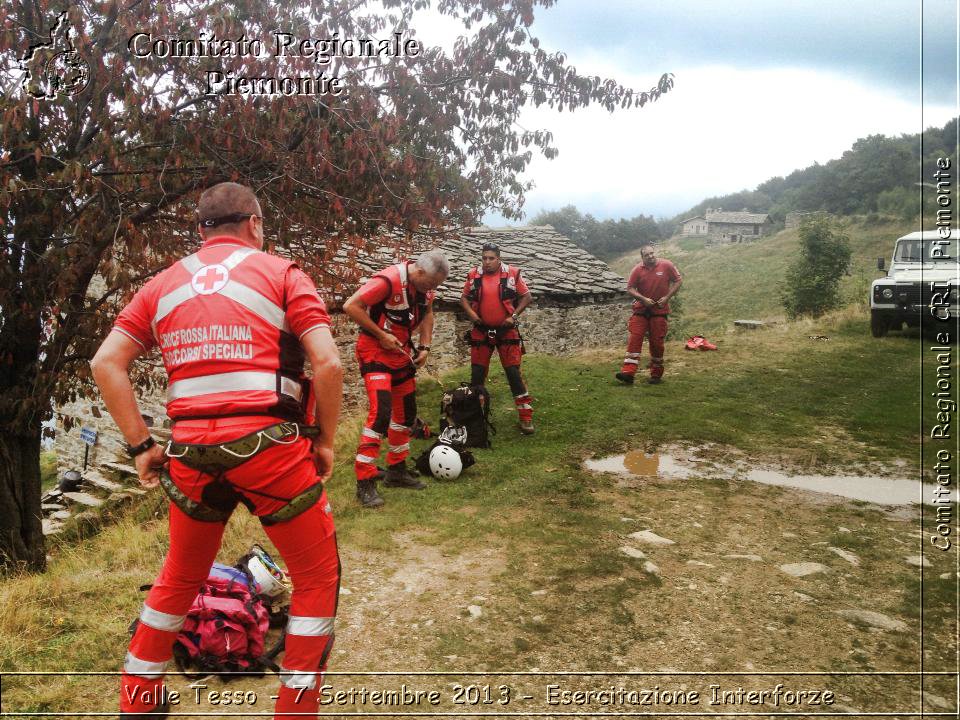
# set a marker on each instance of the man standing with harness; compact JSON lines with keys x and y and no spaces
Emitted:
{"x":652,"y":283}
{"x":234,"y":325}
{"x":494,"y":295}
{"x":389,"y":308}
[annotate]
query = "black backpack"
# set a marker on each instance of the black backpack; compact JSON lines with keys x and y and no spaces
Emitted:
{"x":468,"y":406}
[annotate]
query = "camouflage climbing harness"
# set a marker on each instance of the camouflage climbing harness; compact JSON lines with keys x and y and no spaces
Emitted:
{"x":217,"y":459}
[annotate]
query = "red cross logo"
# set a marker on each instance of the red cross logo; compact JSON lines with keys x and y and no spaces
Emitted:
{"x":210,"y":279}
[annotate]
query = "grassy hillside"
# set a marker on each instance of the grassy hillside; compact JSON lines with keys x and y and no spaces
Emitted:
{"x":723,"y":283}
{"x":533,"y":541}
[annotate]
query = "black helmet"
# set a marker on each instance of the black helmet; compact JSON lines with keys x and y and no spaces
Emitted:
{"x":70,"y":482}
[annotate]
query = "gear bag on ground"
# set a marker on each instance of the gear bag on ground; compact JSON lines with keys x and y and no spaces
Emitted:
{"x":468,"y":406}
{"x":226,"y":627}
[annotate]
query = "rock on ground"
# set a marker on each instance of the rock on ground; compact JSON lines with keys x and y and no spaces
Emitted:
{"x":651,"y":538}
{"x":475,"y":611}
{"x":939,"y":702}
{"x":84,"y":499}
{"x":803,"y":569}
{"x":846,"y":555}
{"x":873,"y":619}
{"x":633,"y":552}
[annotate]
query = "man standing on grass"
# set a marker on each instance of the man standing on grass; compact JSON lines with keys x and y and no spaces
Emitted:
{"x":389,"y":308}
{"x":234,"y":325}
{"x":652,"y":283}
{"x":494,"y":295}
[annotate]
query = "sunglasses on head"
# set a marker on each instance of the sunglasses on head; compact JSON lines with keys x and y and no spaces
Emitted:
{"x":225,"y":219}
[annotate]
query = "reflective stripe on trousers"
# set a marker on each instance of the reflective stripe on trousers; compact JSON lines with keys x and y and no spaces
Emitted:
{"x":299,"y":679}
{"x":161,"y":620}
{"x":132,"y":665}
{"x":304,"y":627}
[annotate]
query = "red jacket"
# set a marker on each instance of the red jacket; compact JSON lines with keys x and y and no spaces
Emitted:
{"x":509,"y":277}
{"x":219,"y":319}
{"x":396,"y":313}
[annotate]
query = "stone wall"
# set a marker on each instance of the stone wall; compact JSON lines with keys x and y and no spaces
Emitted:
{"x":721,"y":232}
{"x":110,"y":445}
{"x":546,"y":330}
{"x":695,"y":227}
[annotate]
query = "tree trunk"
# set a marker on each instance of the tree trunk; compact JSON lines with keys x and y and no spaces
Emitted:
{"x":21,"y":533}
{"x":24,"y":392}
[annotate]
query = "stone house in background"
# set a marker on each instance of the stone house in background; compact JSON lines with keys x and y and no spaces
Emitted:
{"x":579,"y":303}
{"x":720,"y":226}
{"x":695,"y":226}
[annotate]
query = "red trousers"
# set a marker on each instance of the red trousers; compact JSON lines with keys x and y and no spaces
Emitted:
{"x":510,"y":351}
{"x":306,"y":543}
{"x":639,"y":325}
{"x":511,"y":354}
{"x":389,"y":379}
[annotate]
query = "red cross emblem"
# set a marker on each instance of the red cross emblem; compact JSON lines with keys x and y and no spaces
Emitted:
{"x":210,"y":279}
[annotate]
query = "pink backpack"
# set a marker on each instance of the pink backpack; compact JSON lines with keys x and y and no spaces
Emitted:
{"x":225,"y":628}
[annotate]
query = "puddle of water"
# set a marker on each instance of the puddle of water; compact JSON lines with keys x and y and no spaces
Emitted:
{"x":882,"y":491}
{"x":640,"y":464}
{"x":879,"y":490}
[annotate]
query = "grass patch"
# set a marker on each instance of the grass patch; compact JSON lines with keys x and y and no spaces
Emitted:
{"x":48,"y":471}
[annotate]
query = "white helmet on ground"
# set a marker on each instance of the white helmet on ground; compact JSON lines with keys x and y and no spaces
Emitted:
{"x":266,"y":572}
{"x":445,"y":463}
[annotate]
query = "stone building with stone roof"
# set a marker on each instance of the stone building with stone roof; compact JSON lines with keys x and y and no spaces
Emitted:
{"x":579,"y":303}
{"x":722,"y":226}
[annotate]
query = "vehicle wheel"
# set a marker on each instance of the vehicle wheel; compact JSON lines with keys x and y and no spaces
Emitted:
{"x":879,"y":324}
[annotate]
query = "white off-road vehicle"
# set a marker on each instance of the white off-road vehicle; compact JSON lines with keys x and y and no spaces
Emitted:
{"x":922,"y":285}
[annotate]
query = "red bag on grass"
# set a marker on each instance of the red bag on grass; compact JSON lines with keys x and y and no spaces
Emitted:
{"x":698,"y":342}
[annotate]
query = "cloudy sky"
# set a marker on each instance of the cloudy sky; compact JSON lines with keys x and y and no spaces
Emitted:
{"x":763,"y":87}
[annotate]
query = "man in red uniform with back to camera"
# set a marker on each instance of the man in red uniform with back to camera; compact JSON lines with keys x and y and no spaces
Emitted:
{"x":494,"y":295}
{"x":234,"y":325}
{"x":652,"y":282}
{"x":389,"y":308}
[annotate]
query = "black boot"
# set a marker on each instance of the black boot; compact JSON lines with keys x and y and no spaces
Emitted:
{"x":399,"y":475}
{"x":626,"y":378}
{"x":367,"y":494}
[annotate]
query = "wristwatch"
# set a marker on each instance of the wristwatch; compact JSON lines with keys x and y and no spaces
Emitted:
{"x":421,"y":348}
{"x":514,"y":317}
{"x":134,"y":450}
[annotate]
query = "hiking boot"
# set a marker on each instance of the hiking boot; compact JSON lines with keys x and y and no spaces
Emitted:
{"x":160,"y":712}
{"x":399,"y":475}
{"x":526,"y":426}
{"x":367,"y":494}
{"x":625,"y":378}
{"x":654,"y":380}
